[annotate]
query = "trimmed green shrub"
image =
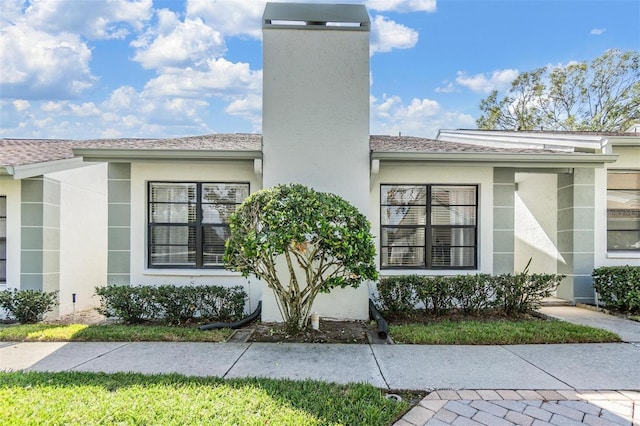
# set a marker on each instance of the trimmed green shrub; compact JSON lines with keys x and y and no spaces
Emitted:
{"x":472,"y":293}
{"x":618,"y":287}
{"x":435,"y":293}
{"x":512,"y":294}
{"x":27,"y":306}
{"x":132,"y":304}
{"x":397,"y":295}
{"x":171,"y":304}
{"x":523,"y":292}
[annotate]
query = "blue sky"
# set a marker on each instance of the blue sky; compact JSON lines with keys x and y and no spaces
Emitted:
{"x":84,"y":69}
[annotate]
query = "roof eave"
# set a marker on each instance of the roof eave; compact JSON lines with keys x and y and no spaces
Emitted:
{"x":38,"y":169}
{"x":624,"y":140}
{"x":491,"y":158}
{"x":516,"y":137}
{"x":126,"y":155}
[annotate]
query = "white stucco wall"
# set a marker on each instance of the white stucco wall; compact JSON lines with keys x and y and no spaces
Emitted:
{"x":315,"y":121}
{"x":316,"y":111}
{"x":83,"y":235}
{"x":429,"y":174}
{"x":536,"y":222}
{"x":629,"y":159}
{"x":141,"y":173}
{"x":11,"y":189}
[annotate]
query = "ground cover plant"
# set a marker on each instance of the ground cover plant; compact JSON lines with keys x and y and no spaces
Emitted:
{"x":103,"y":399}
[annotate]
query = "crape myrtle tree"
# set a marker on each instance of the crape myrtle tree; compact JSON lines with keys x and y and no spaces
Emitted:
{"x":602,"y":95}
{"x":301,"y":243}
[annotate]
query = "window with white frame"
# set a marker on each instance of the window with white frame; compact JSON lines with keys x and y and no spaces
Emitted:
{"x":3,"y":239}
{"x":623,"y":210}
{"x":188,"y":222}
{"x":429,"y":226}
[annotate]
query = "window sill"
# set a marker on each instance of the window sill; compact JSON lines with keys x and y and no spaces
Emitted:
{"x":191,"y":272}
{"x":430,"y":272}
{"x":623,"y":255}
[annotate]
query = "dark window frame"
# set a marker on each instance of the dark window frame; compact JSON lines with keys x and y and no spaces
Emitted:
{"x":429,"y":228}
{"x":631,"y":212}
{"x":198,"y":227}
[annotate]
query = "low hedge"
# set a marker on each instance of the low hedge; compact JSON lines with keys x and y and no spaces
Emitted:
{"x":512,"y":294}
{"x":172,"y":304}
{"x":27,"y":306}
{"x":618,"y":287}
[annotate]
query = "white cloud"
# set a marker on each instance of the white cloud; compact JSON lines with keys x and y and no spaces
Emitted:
{"x":189,"y":42}
{"x":402,"y":5}
{"x":85,"y":109}
{"x":249,"y":108}
{"x":421,"y":108}
{"x":230,"y":17}
{"x":421,"y":117}
{"x":122,"y":98}
{"x":598,"y":31}
{"x":479,"y":83}
{"x":247,"y":105}
{"x":11,"y":10}
{"x":21,"y":105}
{"x":217,"y":77}
{"x":387,"y":35}
{"x":447,"y":88}
{"x":98,"y":19}
{"x":38,"y":65}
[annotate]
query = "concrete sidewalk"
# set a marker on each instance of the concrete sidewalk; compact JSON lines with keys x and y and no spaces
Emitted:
{"x":573,"y":366}
{"x":538,"y":377}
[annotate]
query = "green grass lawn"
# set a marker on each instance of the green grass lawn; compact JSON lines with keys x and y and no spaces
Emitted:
{"x":467,"y":332}
{"x":109,"y":333}
{"x":74,"y":398}
{"x":498,"y":333}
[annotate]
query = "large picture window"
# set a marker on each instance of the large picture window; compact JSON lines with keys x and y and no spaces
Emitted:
{"x":189,"y":222}
{"x":429,"y":226}
{"x":623,"y":210}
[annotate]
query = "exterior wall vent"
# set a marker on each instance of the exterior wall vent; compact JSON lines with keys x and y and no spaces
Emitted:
{"x":320,"y":16}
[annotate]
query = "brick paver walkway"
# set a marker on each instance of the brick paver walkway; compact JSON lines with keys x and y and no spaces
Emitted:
{"x":525,"y":407}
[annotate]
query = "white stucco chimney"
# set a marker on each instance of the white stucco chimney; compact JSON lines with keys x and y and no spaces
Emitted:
{"x":315,"y":116}
{"x":315,"y":112}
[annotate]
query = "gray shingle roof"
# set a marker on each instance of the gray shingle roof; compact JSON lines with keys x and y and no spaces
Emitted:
{"x":17,"y":152}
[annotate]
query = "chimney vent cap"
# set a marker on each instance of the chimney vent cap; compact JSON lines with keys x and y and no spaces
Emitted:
{"x":316,"y":16}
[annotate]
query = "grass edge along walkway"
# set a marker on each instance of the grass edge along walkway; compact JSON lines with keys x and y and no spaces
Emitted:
{"x":512,"y":332}
{"x":131,"y":398}
{"x":440,"y":333}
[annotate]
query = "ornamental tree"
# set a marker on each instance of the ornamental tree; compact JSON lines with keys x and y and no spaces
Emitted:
{"x":301,"y":243}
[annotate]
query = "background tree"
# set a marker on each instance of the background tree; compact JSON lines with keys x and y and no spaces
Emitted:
{"x":321,"y":240}
{"x":601,"y":95}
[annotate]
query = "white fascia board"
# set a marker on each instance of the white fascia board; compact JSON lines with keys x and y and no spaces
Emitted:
{"x":504,"y":159}
{"x":124,"y":155}
{"x":521,"y":139}
{"x":624,"y":140}
{"x":39,"y":169}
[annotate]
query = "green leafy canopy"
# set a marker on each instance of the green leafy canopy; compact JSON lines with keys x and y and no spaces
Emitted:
{"x":602,"y":95}
{"x":320,"y":234}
